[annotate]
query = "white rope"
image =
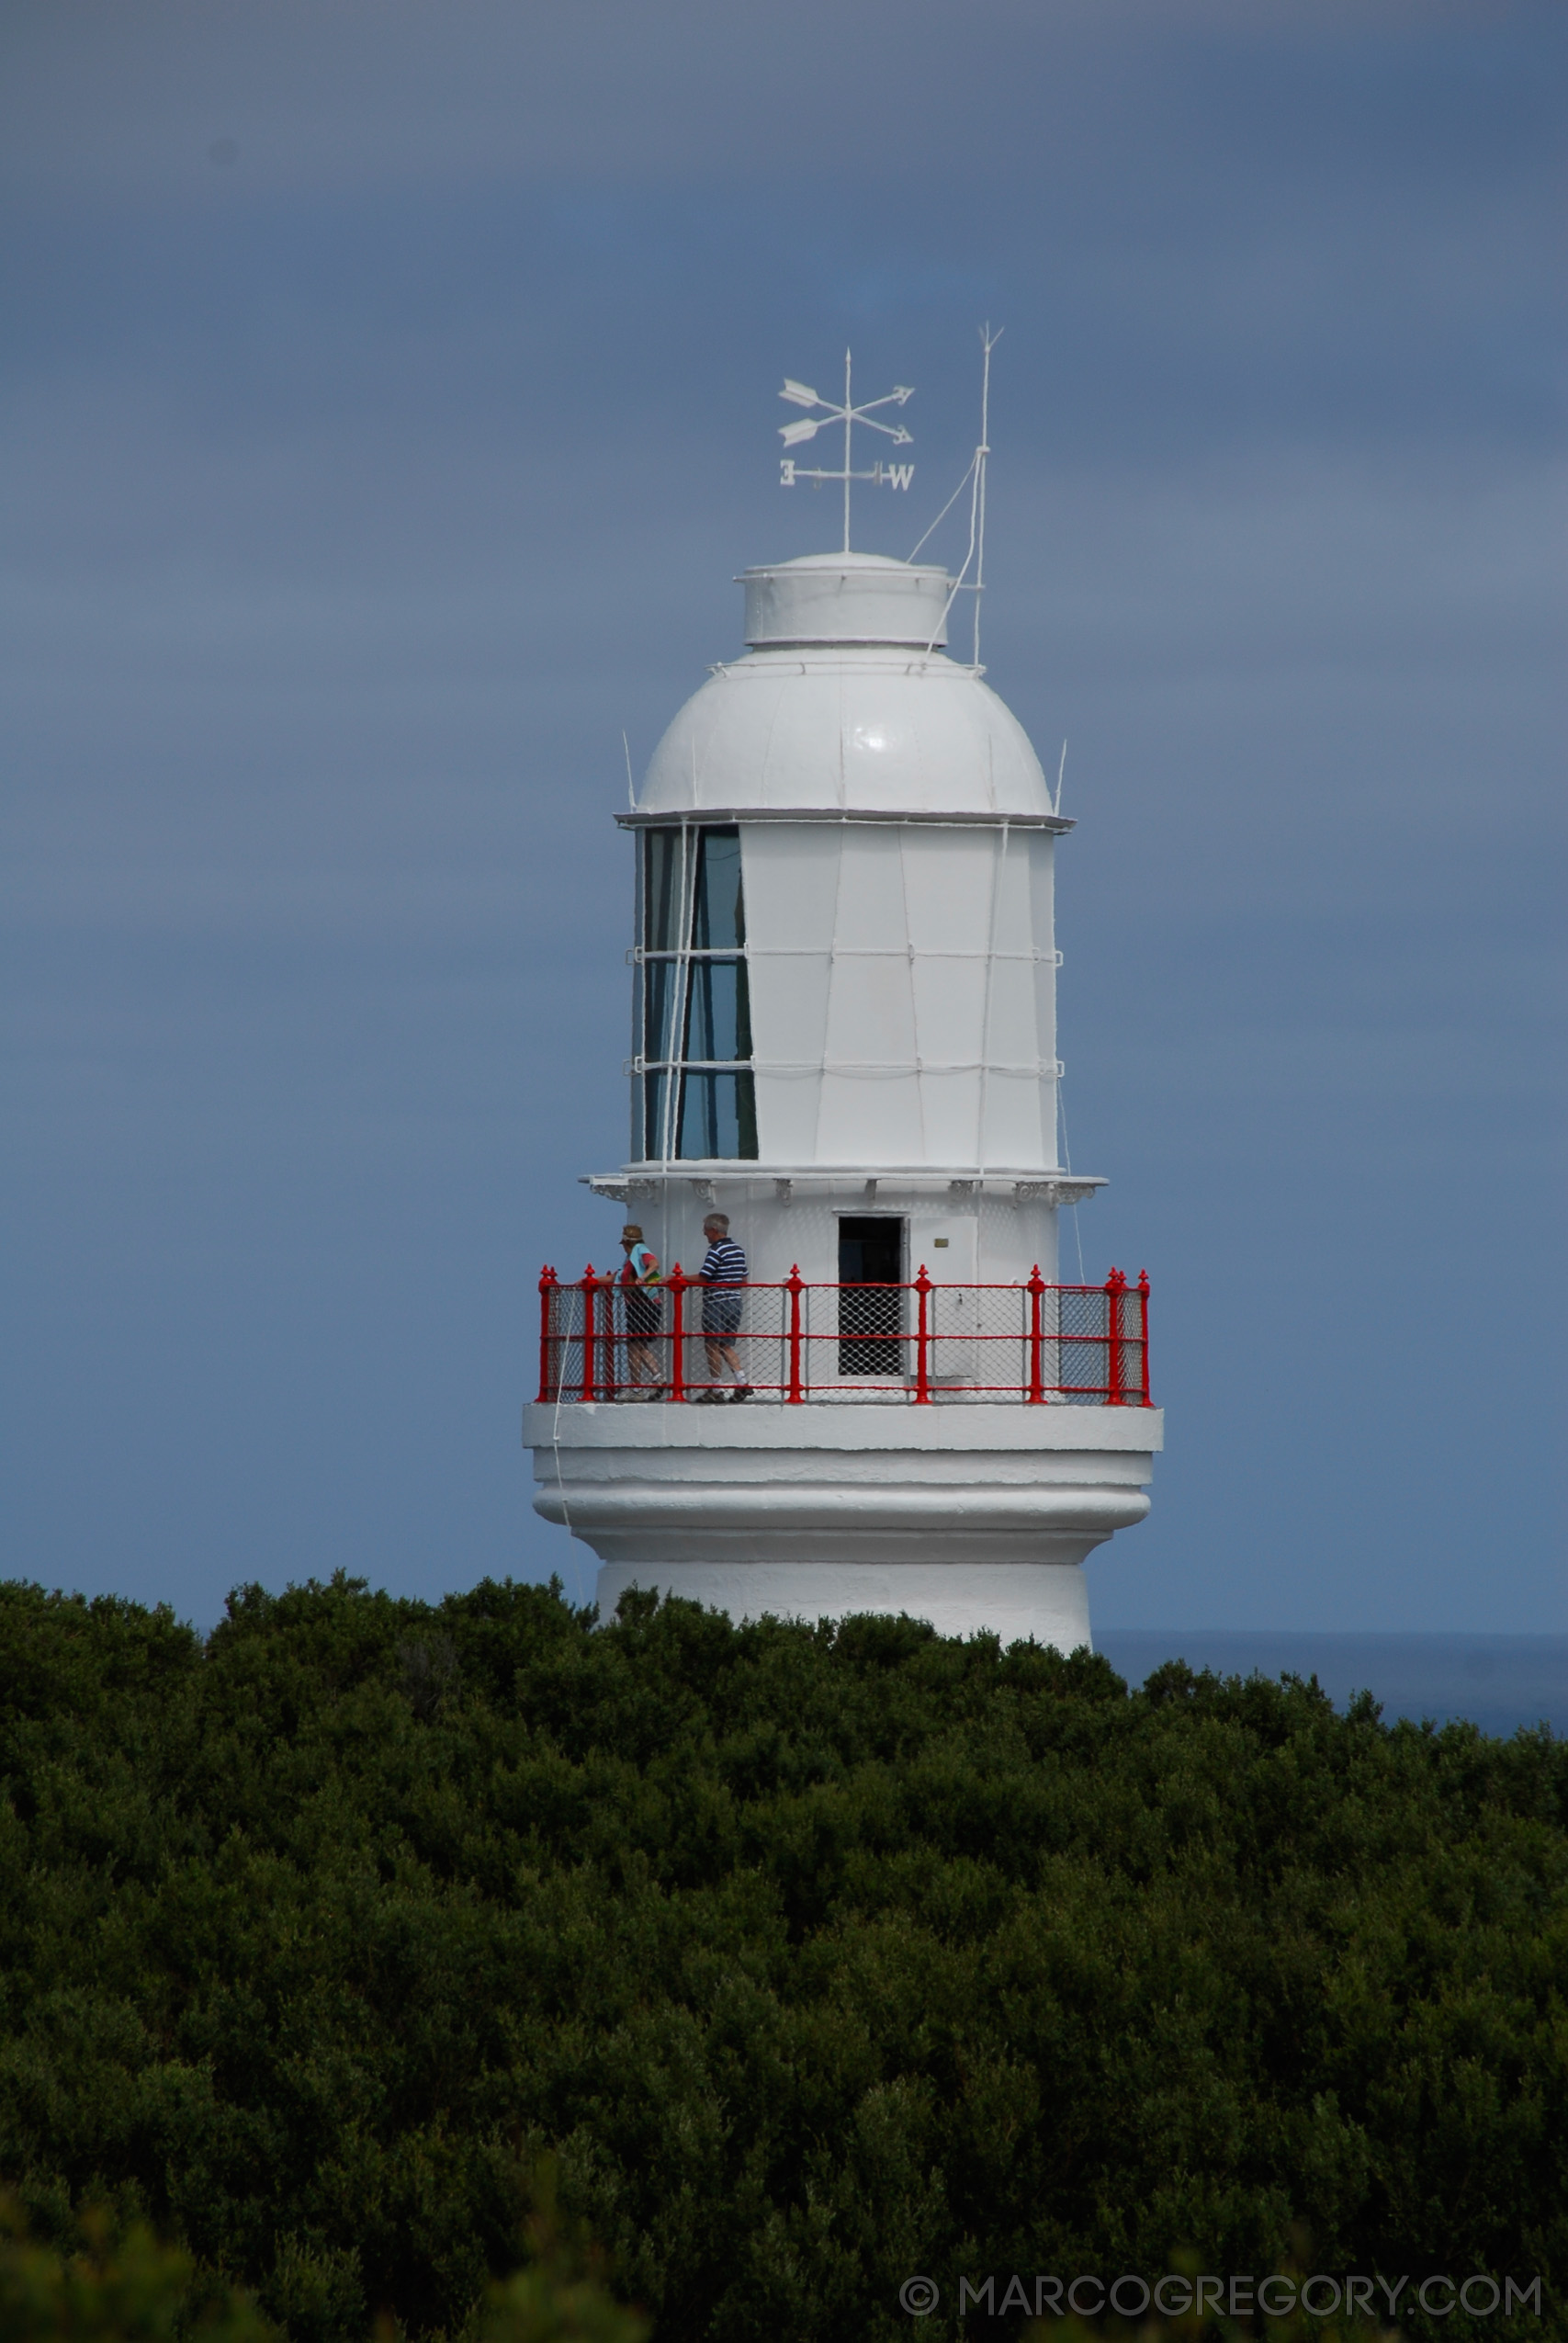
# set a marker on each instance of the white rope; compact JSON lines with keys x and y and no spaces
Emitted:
{"x":914,"y":993}
{"x":1033,"y":1068}
{"x":1067,"y":1160}
{"x":890,"y":951}
{"x":554,"y":1445}
{"x":833,"y":960}
{"x":997,"y":864}
{"x":952,"y":500}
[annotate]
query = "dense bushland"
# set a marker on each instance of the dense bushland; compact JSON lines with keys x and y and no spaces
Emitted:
{"x":114,"y":2282}
{"x":817,"y":1959}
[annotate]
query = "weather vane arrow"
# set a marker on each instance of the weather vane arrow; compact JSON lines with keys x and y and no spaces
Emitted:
{"x":795,"y":434}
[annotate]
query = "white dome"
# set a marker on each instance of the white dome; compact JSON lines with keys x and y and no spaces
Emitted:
{"x":844,"y":725}
{"x":846,"y":731}
{"x":858,"y":717}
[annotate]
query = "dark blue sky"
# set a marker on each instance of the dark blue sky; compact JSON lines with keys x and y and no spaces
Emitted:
{"x":388,"y":402}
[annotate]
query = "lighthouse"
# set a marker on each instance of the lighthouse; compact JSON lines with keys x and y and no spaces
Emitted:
{"x":845,"y":1062}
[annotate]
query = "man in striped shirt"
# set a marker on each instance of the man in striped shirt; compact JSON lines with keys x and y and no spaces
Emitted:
{"x":723,"y":1275}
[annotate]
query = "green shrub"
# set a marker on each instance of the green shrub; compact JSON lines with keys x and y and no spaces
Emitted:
{"x":815,"y":1958}
{"x":560,"y":2295}
{"x":124,"y":2289}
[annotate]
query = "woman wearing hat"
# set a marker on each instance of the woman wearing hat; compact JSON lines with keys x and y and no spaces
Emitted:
{"x":639,"y":1280}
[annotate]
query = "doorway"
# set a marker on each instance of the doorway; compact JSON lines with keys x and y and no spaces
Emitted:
{"x":870,"y":1295}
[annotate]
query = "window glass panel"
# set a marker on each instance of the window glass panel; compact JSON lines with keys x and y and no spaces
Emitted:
{"x":661,"y":876}
{"x":718,"y":923}
{"x":659,"y":992}
{"x":718,"y":1013}
{"x":655,"y":1090}
{"x":697,"y":1008}
{"x":718,"y":1116}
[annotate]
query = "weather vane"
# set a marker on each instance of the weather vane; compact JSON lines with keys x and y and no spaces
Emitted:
{"x":795,"y":434}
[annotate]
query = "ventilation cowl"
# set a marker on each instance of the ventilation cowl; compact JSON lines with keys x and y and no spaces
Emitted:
{"x":865,"y":599}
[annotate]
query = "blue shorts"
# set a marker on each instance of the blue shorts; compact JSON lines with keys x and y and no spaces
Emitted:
{"x":721,"y":1311}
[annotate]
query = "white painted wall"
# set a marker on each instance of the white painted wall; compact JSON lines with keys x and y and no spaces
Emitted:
{"x":975,"y":1517}
{"x":1003,"y":1239}
{"x":903,"y":995}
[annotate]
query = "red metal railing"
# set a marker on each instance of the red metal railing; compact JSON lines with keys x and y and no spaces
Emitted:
{"x":910,"y":1344}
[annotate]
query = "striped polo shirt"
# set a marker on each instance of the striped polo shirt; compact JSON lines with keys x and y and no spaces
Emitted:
{"x":725,"y":1265}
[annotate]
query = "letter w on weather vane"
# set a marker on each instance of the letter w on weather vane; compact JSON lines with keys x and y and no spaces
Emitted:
{"x":795,"y":434}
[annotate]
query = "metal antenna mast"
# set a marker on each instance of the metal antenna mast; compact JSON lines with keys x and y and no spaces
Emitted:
{"x":793,"y":435}
{"x":973,"y":479}
{"x":849,"y":426}
{"x":988,"y":342}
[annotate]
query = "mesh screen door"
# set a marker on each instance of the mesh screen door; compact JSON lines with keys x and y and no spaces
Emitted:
{"x":871,"y":1297}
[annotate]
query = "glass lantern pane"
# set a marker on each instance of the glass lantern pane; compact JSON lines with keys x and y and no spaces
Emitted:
{"x":718,"y":1014}
{"x":718,"y":1116}
{"x":655,"y":1093}
{"x":661,"y":889}
{"x":718,"y":923}
{"x":657,"y":1039}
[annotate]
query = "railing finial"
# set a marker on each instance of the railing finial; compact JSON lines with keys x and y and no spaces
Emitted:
{"x":922,"y":1342}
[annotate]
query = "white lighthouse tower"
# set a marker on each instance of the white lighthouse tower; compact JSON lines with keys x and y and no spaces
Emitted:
{"x":845,"y":1041}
